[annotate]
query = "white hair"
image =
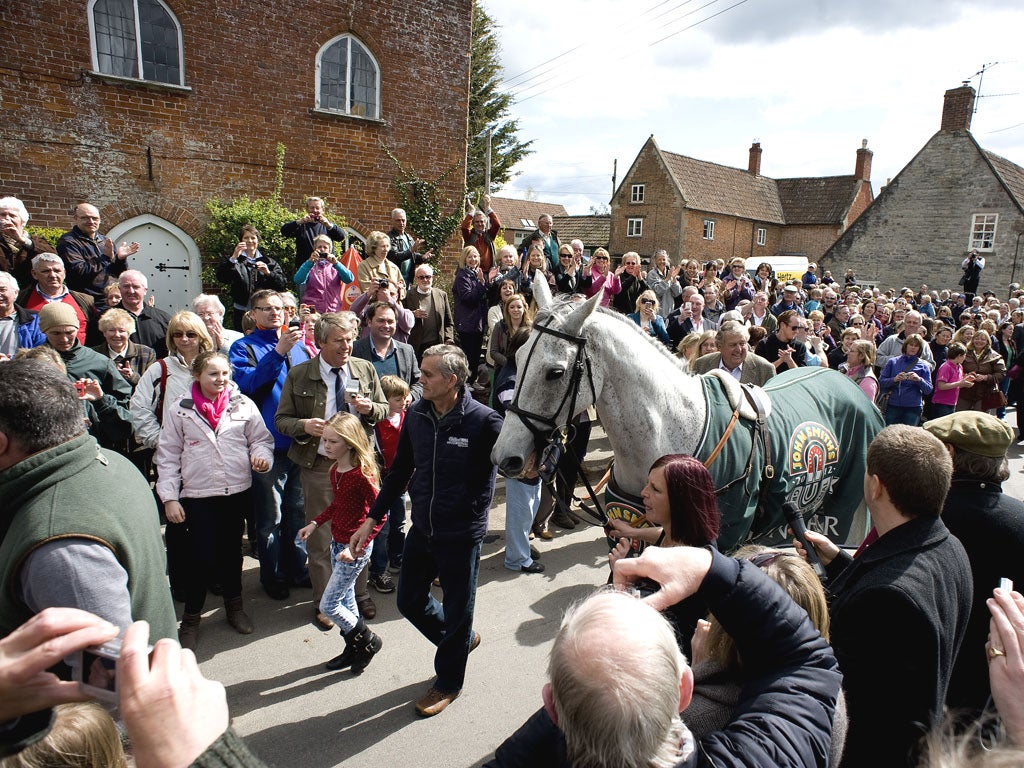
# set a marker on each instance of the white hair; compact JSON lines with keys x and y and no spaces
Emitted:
{"x":204,"y":299}
{"x":17,"y":205}
{"x":615,"y":673}
{"x":136,"y":274}
{"x":45,"y":258}
{"x":396,"y":211}
{"x":7,"y":277}
{"x":424,"y":269}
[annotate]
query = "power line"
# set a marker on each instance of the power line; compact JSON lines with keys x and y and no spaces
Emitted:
{"x":637,"y":51}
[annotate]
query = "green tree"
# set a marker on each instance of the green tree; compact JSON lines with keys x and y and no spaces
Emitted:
{"x":490,"y":106}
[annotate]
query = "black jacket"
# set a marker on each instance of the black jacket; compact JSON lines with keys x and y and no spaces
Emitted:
{"x":990,"y":525}
{"x":899,"y":613}
{"x":784,"y":716}
{"x":244,"y":279}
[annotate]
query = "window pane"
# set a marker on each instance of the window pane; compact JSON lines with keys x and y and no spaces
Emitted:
{"x":115,"y":37}
{"x":159,"y":43}
{"x":333,"y":63}
{"x":364,"y":82}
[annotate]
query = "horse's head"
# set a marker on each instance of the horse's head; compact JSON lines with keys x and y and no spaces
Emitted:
{"x":553,"y":384}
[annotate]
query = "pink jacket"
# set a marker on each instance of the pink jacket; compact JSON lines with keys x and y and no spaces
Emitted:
{"x":611,"y":286}
{"x":195,"y":462}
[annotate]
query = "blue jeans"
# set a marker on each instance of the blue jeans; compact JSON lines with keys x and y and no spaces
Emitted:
{"x":449,"y":626}
{"x":391,"y":539}
{"x":939,"y":410}
{"x":277,"y":497}
{"x":521,"y":503}
{"x":896,"y":414}
{"x":1004,"y":387}
{"x":339,"y":600}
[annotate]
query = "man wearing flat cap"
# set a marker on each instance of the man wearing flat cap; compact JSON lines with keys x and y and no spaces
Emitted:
{"x":990,"y":525}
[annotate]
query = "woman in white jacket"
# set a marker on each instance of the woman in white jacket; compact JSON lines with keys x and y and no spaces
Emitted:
{"x":213,"y":438}
{"x":162,"y":385}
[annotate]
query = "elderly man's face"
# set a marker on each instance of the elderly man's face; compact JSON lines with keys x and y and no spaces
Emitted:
{"x":11,"y":223}
{"x":50,"y":276}
{"x":62,"y":337}
{"x":479,"y":222}
{"x":830,"y":298}
{"x":315,"y":208}
{"x":696,"y":304}
{"x":338,"y":346}
{"x":734,"y":350}
{"x":133,"y":292}
{"x":544,"y":224}
{"x":843,"y":313}
{"x":87,"y":219}
{"x":210,"y":316}
{"x":577,"y":250}
{"x":398,"y":222}
{"x":7,"y":295}
{"x":911,"y":324}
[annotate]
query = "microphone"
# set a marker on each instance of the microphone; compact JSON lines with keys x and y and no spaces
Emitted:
{"x":796,"y":522}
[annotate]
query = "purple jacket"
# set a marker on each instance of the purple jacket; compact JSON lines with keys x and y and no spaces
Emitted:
{"x":470,"y":302}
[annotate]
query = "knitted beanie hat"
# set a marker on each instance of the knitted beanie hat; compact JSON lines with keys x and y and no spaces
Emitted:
{"x":56,"y":314}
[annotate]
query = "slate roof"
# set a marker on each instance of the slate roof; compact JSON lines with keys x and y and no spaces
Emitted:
{"x":512,"y":212}
{"x":817,"y":200}
{"x":721,"y":189}
{"x":1011,"y":174}
{"x":593,"y":230}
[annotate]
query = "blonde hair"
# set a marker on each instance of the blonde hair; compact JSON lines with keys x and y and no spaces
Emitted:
{"x":465,"y":252}
{"x":795,"y":576}
{"x":686,"y":347}
{"x":372,"y":239}
{"x":866,"y":350}
{"x":83,"y":736}
{"x":188,"y":321}
{"x":350,"y":429}
{"x":118,"y":318}
{"x":393,"y":386}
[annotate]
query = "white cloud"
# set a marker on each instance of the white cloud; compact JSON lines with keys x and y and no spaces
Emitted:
{"x":807,"y":79}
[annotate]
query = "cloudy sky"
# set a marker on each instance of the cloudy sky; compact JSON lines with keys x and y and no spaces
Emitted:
{"x":809,"y":79}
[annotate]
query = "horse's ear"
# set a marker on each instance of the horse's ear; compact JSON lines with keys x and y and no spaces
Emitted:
{"x":574,"y":322}
{"x":541,"y":292}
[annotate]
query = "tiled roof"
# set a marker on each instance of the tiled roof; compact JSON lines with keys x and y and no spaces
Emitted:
{"x":721,"y":189}
{"x":1011,"y":174}
{"x":514,"y":213}
{"x":817,"y":200}
{"x":592,"y":230}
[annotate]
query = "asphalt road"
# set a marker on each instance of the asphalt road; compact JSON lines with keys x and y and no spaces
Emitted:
{"x":292,"y":712}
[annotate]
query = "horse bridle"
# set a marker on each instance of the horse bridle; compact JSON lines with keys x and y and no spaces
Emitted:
{"x":552,"y":439}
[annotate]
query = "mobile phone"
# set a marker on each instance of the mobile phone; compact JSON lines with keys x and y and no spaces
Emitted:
{"x":96,"y":669}
{"x":295,"y":323}
{"x":80,"y":387}
{"x":351,"y":390}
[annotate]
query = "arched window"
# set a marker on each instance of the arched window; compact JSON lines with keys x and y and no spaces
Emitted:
{"x":348,"y":78}
{"x":139,"y":39}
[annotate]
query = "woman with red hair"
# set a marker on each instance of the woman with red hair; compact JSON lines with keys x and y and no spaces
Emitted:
{"x":680,"y":509}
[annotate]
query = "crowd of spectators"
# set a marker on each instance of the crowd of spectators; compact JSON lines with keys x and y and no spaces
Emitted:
{"x":242,"y":430}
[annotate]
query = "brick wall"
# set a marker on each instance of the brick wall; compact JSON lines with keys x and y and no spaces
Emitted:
{"x":810,"y":240}
{"x":70,"y":136}
{"x":661,"y":209}
{"x":918,"y":228}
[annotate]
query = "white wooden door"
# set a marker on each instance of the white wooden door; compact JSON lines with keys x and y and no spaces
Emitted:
{"x":167,"y":256}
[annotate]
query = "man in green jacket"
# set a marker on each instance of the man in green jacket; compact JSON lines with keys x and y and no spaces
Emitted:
{"x":78,"y":526}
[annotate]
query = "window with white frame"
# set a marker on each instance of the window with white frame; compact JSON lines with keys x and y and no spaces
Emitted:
{"x":636,"y":193}
{"x":139,"y":39}
{"x":762,"y":235}
{"x":347,"y":78}
{"x":634,"y":227}
{"x":983,"y":231}
{"x":709,"y":229}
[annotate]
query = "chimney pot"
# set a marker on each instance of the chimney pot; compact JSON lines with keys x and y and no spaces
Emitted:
{"x":754,"y":163}
{"x":958,"y":109}
{"x":862,"y":169}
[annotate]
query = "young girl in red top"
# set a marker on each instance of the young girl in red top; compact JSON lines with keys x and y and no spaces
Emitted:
{"x":356,"y":482}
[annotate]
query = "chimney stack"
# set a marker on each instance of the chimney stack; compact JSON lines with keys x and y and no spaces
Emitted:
{"x":754,"y":164}
{"x":957,"y":109}
{"x":862,"y":170}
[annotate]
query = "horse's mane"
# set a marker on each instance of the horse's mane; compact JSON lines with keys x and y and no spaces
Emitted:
{"x":562,"y":305}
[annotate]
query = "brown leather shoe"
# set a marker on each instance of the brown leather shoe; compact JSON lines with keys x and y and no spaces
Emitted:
{"x":435,"y":702}
{"x":366,"y":606}
{"x":322,"y":621}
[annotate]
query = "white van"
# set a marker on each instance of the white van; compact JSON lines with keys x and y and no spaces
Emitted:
{"x":785,"y":267}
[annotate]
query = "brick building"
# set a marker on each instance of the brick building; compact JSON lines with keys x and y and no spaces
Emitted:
{"x":221,"y":83}
{"x":702,"y":210}
{"x":951,"y":197}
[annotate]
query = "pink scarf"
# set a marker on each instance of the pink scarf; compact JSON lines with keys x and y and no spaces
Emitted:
{"x":210,"y":410}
